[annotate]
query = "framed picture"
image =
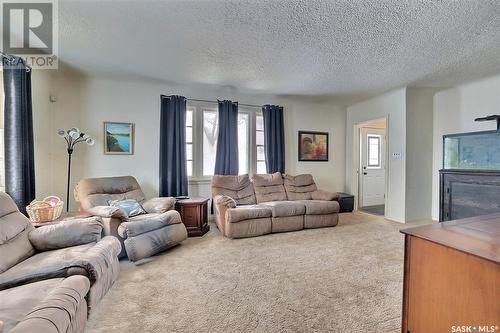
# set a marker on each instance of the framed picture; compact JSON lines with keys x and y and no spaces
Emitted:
{"x":118,"y":138}
{"x":313,"y":146}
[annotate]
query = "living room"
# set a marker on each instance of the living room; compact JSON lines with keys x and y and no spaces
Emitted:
{"x":308,"y":142}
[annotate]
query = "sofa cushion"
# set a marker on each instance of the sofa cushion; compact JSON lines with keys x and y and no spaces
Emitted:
{"x":237,"y":187}
{"x":319,"y":207}
{"x":14,"y":229}
{"x":269,"y":187}
{"x":285,"y":208}
{"x":242,"y":213}
{"x":299,"y":187}
{"x":44,"y":265}
{"x":92,"y":192}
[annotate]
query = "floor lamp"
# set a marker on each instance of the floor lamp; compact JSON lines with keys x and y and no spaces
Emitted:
{"x":72,"y":137}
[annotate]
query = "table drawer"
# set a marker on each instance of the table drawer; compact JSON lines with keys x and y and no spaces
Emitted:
{"x":190,"y":216}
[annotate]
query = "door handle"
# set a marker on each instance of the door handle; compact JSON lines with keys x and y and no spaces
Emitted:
{"x":365,"y":173}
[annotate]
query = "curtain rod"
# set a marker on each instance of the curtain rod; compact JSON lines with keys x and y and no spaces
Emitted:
{"x":210,"y":101}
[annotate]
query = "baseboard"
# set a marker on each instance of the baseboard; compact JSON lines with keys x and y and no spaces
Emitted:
{"x":393,"y":219}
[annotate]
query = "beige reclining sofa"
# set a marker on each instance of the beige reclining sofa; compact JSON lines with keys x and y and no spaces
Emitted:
{"x":271,"y":203}
{"x":141,"y":236}
{"x":51,"y":276}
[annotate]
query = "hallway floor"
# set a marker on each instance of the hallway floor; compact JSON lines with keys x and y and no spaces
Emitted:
{"x":376,"y":210}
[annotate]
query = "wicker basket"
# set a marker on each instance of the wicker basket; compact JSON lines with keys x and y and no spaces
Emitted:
{"x":43,"y":211}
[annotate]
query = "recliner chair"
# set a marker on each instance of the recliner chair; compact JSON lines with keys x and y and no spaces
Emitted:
{"x":142,"y":235}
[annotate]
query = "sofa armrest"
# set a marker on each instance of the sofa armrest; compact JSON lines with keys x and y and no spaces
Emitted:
{"x":107,"y":211}
{"x":159,"y":205}
{"x":224,"y":200}
{"x":66,"y":234}
{"x":97,"y":261}
{"x":62,"y":309}
{"x":102,"y":268}
{"x":221,"y":204}
{"x":148,"y":222}
{"x":93,"y":261}
{"x":324,"y":195}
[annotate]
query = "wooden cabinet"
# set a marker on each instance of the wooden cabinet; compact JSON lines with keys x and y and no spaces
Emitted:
{"x":452,"y":276}
{"x":194,"y":215}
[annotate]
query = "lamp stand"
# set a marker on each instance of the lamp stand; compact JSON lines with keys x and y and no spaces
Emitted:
{"x":70,"y":152}
{"x":72,"y":137}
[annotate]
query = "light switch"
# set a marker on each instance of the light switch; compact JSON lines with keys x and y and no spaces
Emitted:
{"x":396,"y":155}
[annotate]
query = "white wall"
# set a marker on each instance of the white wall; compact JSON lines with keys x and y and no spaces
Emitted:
{"x":316,"y":117}
{"x":454,"y":112}
{"x":86,"y":102}
{"x":42,"y":84}
{"x":419,"y":118}
{"x":393,"y":106}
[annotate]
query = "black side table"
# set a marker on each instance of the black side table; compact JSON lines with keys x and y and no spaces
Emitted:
{"x":346,"y":202}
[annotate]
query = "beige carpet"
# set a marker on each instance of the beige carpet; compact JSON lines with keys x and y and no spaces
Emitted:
{"x":342,"y":279}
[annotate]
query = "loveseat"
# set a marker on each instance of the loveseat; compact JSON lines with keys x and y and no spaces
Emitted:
{"x":271,"y":203}
{"x":36,"y":266}
{"x":141,"y":236}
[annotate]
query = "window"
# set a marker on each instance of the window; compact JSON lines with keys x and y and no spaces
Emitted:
{"x":210,"y":133}
{"x":189,"y":142}
{"x":243,"y":131}
{"x":259,"y":143}
{"x":202,"y":130}
{"x":374,"y":151}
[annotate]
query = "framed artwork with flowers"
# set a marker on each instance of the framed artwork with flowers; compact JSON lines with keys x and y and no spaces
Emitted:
{"x":313,"y":146}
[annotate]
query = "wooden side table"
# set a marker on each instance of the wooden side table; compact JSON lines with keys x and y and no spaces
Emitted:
{"x":194,"y":215}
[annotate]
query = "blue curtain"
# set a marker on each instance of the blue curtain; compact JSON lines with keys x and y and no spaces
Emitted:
{"x":226,"y":158}
{"x":173,"y":171}
{"x":274,"y":138}
{"x":18,"y":124}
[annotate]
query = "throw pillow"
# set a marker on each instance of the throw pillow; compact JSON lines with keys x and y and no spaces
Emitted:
{"x":130,"y":206}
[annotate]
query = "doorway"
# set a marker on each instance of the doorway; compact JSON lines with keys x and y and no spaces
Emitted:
{"x":372,"y":170}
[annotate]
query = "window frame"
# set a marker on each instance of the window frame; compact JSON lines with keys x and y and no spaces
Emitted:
{"x":198,"y":108}
{"x":192,"y":141}
{"x":263,"y":144}
{"x":200,"y":134}
{"x":379,"y":151}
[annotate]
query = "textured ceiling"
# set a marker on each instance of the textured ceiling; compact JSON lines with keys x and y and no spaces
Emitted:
{"x":313,"y":47}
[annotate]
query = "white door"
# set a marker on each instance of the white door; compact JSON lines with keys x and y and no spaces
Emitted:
{"x":372,"y":169}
